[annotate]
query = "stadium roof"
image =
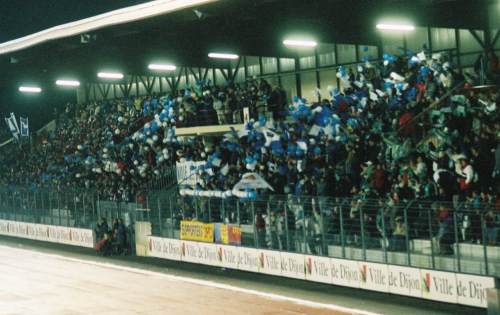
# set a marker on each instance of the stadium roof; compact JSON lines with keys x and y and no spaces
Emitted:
{"x":185,"y":36}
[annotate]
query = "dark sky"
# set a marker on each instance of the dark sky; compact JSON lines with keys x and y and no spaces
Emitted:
{"x":23,"y":17}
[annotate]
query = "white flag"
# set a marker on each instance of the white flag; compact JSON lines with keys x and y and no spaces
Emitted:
{"x":12,"y":127}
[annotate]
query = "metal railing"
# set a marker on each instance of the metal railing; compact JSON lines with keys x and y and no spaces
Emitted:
{"x":458,"y":236}
{"x":71,"y":208}
{"x":452,"y":236}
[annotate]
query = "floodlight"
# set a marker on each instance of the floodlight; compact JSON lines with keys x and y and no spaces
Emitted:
{"x":30,"y":89}
{"x":68,"y":83}
{"x":110,"y":75}
{"x":223,"y":56}
{"x":395,"y":27}
{"x":300,"y":42}
{"x":161,"y":67}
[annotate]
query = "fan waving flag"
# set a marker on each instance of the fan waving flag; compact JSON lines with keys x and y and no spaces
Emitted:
{"x":24,"y":127}
{"x":12,"y":124}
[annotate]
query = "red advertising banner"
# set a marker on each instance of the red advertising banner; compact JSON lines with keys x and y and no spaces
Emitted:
{"x":234,"y":235}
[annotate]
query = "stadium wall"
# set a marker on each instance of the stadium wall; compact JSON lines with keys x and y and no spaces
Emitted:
{"x":48,"y":233}
{"x":449,"y":287}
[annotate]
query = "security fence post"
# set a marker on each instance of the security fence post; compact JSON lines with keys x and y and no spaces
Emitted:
{"x":148,"y":210}
{"x":238,"y":212}
{"x":286,"y":227}
{"x":457,"y":244}
{"x":84,"y":220}
{"x":26,"y":212}
{"x":362,"y":227}
{"x":50,"y":212}
{"x":324,"y":247}
{"x":59,"y":206}
{"x":1,"y":204}
{"x":172,"y":223}
{"x":209,"y":209}
{"x":485,"y":243}
{"x":385,"y":239}
{"x":223,"y":211}
{"x":429,"y":218}
{"x":303,"y":248}
{"x":255,"y":233}
{"x":95,"y":207}
{"x":35,"y":208}
{"x":196,"y":208}
{"x":14,"y":206}
{"x":68,"y":213}
{"x":407,"y":232}
{"x":42,"y":193}
{"x":159,"y":215}
{"x":342,"y":234}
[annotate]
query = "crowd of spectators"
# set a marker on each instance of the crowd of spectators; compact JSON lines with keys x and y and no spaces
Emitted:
{"x":114,"y":240}
{"x":390,"y":132}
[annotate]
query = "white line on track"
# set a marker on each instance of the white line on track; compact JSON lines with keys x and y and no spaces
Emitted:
{"x":206,"y":283}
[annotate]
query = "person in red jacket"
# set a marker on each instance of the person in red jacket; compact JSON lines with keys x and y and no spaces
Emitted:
{"x":379,"y":179}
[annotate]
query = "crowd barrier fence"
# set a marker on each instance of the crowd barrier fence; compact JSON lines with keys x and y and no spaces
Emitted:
{"x":429,"y":237}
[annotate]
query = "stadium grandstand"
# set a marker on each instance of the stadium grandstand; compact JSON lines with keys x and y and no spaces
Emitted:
{"x":358,"y":135}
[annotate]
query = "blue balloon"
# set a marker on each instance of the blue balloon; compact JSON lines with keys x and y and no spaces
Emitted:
{"x":249,"y":159}
{"x":252,"y":194}
{"x":388,"y":85}
{"x":262,"y":120}
{"x":424,"y":71}
{"x":154,"y":126}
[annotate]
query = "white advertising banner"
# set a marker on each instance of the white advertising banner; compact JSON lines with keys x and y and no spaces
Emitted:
{"x":405,"y":281}
{"x":421,"y":283}
{"x":60,"y":234}
{"x":208,"y":255}
{"x":345,"y":273}
{"x":82,"y":237}
{"x":293,"y":265}
{"x":190,"y":252}
{"x":18,"y":229}
{"x":318,"y":269}
{"x":48,"y":233}
{"x":248,"y":259}
{"x":164,"y":248}
{"x":270,"y":262}
{"x":439,"y":285}
{"x":4,"y":227}
{"x":230,"y":256}
{"x":39,"y":232}
{"x":471,"y":290}
{"x":373,"y":276}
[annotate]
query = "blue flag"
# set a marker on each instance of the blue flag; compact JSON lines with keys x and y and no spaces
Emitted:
{"x":24,"y":127}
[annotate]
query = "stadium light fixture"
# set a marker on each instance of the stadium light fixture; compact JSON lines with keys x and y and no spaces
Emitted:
{"x":223,"y":55}
{"x":161,"y":67}
{"x":402,"y":27}
{"x":110,"y":75}
{"x":30,"y":89}
{"x":300,"y":43}
{"x":72,"y":83}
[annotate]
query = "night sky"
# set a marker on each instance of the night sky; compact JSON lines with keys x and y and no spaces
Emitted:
{"x":23,"y":17}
